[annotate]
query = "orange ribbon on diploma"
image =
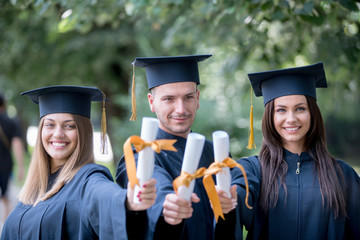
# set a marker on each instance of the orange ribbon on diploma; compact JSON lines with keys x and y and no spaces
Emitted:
{"x":209,"y":185}
{"x":139,"y":144}
{"x":186,"y":178}
{"x":216,"y":167}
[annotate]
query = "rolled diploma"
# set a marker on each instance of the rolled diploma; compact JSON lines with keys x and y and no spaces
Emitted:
{"x":193,"y":149}
{"x":221,"y":152}
{"x":145,"y":164}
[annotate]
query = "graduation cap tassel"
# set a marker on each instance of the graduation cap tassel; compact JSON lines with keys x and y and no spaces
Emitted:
{"x":103,"y":139}
{"x":133,"y":97}
{"x":251,"y":143}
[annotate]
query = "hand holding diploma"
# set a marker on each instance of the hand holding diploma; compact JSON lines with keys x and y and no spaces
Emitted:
{"x":227,"y":204}
{"x":175,"y":208}
{"x":184,"y":184}
{"x":145,"y":145}
{"x":216,"y":195}
{"x":221,"y":152}
{"x":146,"y":196}
{"x":145,"y":166}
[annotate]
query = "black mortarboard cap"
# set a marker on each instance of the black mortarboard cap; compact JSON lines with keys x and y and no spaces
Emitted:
{"x":289,"y":81}
{"x":65,"y":99}
{"x":70,"y":99}
{"x":170,"y":69}
{"x":166,"y":69}
{"x":282,"y":82}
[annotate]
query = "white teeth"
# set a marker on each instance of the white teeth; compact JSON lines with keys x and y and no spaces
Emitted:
{"x":291,"y":129}
{"x":56,"y":144}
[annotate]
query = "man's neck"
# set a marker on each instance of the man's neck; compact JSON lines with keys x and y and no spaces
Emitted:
{"x":183,"y":135}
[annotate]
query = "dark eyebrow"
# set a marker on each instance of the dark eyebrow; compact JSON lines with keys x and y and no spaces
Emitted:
{"x":49,"y":119}
{"x":192,"y":93}
{"x":167,"y":96}
{"x":299,"y":104}
{"x":171,"y":96}
{"x":52,"y":120}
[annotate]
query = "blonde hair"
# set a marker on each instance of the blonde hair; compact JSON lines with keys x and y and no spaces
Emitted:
{"x":34,"y":189}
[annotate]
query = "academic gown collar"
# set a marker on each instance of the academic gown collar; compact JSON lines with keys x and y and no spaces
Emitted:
{"x":304,"y":156}
{"x":181,"y":142}
{"x":51,"y":179}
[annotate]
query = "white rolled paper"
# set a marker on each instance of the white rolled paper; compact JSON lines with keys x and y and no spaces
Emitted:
{"x":193,"y":149}
{"x":221,"y":152}
{"x":145,"y":164}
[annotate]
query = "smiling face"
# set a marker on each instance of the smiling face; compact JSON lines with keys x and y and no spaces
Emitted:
{"x":292,"y":121}
{"x":175,"y":105}
{"x":59,"y":138}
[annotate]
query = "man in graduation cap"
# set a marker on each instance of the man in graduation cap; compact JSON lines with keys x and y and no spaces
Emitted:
{"x":299,"y":190}
{"x":174,"y":97}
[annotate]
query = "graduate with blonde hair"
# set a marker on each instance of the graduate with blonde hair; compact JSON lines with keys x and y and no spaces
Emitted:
{"x":66,"y":195}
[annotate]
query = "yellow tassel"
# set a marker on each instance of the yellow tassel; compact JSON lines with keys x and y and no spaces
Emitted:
{"x":103,"y":139}
{"x":251,"y":143}
{"x":133,"y":97}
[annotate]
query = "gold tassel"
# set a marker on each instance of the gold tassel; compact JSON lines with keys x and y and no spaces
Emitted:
{"x":103,"y":139}
{"x":133,"y":97}
{"x":251,"y":143}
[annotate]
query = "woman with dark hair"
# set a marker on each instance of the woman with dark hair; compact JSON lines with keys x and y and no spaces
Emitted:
{"x":66,"y":195}
{"x":298,"y":189}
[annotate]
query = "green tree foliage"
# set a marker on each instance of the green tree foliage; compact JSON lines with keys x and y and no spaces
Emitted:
{"x":94,"y":42}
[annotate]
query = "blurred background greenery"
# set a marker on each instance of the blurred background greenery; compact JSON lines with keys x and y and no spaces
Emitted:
{"x":93,"y":43}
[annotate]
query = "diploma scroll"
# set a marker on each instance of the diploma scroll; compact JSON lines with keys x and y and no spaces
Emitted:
{"x":221,"y":152}
{"x":145,"y":165}
{"x":193,"y":149}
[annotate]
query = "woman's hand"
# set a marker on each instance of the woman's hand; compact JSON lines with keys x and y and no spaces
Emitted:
{"x":227,"y":203}
{"x":147,"y":196}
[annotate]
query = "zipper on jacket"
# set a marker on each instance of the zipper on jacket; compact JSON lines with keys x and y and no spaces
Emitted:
{"x":298,"y":168}
{"x":298,"y":163}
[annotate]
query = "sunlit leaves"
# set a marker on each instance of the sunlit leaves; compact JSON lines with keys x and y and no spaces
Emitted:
{"x":93,"y":43}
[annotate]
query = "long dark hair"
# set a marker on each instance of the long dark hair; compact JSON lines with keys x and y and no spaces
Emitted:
{"x":274,"y":167}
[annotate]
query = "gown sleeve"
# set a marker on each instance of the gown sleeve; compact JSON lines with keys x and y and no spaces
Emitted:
{"x":352,"y":184}
{"x":244,"y":216}
{"x":136,"y":224}
{"x":228,"y":229}
{"x":156,"y":222}
{"x":162,"y":229}
{"x":103,"y":207}
{"x":133,"y":218}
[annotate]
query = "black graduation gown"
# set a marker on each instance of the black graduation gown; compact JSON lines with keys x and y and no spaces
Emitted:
{"x":301,"y":215}
{"x":90,"y":206}
{"x":167,"y":168}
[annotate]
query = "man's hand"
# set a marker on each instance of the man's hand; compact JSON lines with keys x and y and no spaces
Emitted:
{"x":176,"y":209}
